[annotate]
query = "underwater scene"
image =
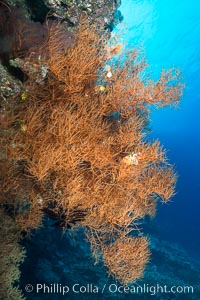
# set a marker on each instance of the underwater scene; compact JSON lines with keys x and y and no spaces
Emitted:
{"x":100,"y":145}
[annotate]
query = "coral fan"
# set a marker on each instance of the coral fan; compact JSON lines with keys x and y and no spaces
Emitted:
{"x":80,"y":155}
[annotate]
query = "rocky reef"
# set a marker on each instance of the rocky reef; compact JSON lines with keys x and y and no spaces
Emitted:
{"x":23,"y":27}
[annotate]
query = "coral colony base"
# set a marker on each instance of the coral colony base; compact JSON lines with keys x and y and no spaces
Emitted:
{"x":73,"y":146}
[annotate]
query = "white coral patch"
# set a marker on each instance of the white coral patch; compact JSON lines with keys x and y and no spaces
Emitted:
{"x":109,"y":75}
{"x":131,"y":159}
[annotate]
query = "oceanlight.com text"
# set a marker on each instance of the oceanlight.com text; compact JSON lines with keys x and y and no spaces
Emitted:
{"x":62,"y":289}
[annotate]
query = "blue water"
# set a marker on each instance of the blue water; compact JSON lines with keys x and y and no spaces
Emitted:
{"x":170,"y":32}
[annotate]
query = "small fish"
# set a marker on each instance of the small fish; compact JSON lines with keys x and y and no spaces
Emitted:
{"x":23,"y":127}
{"x":102,"y":88}
{"x":24,"y":96}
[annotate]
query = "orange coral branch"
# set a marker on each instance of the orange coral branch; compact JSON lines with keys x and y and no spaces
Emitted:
{"x":81,"y":147}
